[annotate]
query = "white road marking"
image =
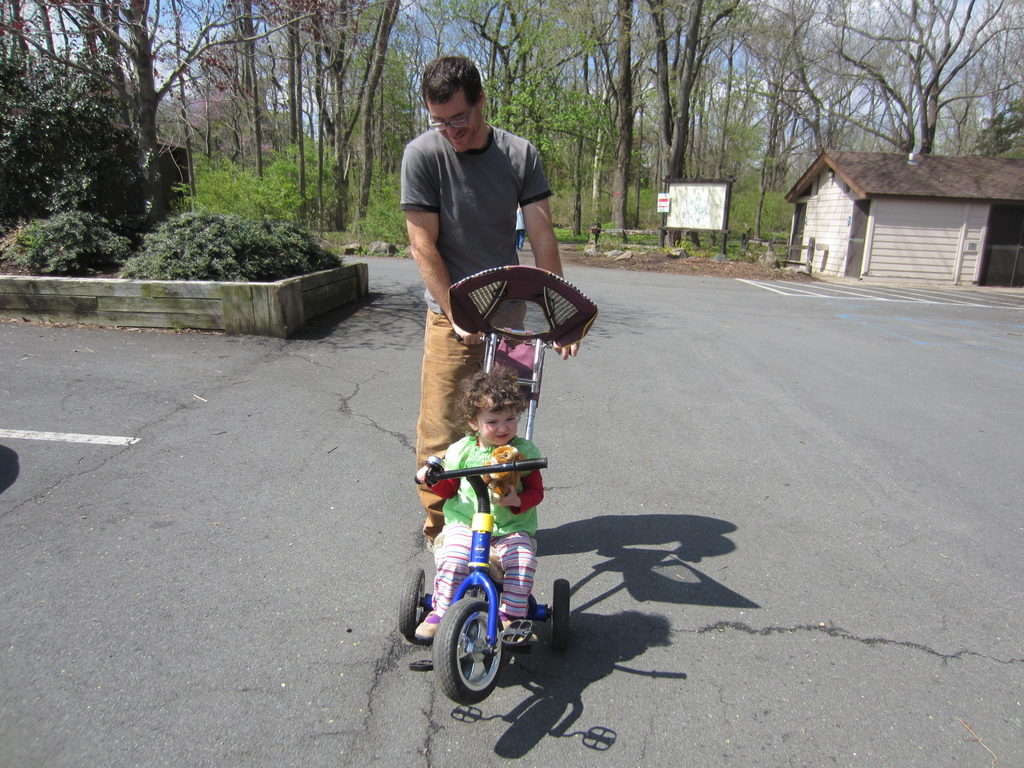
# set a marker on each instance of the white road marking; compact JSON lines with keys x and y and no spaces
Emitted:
{"x":766,"y":286}
{"x":892,"y":294}
{"x":67,"y":437}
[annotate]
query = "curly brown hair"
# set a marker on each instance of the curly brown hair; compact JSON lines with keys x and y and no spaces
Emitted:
{"x":497,"y":390}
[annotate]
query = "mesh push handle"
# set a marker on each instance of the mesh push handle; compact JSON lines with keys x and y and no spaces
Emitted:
{"x":484,"y":302}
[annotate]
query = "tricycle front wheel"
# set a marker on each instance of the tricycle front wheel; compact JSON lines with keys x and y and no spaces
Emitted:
{"x":465,"y":665}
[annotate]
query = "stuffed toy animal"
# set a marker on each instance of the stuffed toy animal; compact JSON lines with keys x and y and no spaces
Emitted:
{"x":501,"y":483}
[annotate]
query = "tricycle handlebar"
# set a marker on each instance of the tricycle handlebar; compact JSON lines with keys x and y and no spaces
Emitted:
{"x":436,"y":471}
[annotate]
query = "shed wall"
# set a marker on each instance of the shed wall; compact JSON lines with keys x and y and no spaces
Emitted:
{"x":828,"y":222}
{"x":930,"y":240}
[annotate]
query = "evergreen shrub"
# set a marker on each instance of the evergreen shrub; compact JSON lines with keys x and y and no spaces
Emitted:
{"x":205,"y":246}
{"x":71,"y":243}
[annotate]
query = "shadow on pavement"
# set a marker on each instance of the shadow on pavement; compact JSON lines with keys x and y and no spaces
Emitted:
{"x":653,"y":553}
{"x":380,"y":320}
{"x":8,"y":468}
{"x":600,"y":645}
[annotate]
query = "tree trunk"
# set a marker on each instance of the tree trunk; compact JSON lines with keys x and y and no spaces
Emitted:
{"x":687,"y":78}
{"x":293,"y":77}
{"x":301,"y":143}
{"x":723,"y":144}
{"x":662,"y":75}
{"x":577,"y":190}
{"x":321,"y":104}
{"x":624,"y":116}
{"x":183,"y":109}
{"x":595,"y":179}
{"x":250,"y":82}
{"x":146,"y":102}
{"x":929,"y":120}
{"x":766,"y":175}
{"x":375,"y":69}
{"x":339,"y":141}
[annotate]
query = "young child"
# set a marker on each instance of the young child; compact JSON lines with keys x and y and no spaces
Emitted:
{"x":491,"y":404}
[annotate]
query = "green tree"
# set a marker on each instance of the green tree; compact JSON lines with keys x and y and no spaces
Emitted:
{"x":226,"y":188}
{"x":60,"y":147}
{"x":1004,"y":133}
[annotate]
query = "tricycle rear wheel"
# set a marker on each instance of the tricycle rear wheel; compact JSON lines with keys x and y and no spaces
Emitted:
{"x":410,"y":607}
{"x":560,"y":615}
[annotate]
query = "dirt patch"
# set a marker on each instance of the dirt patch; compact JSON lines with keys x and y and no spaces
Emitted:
{"x":649,"y":260}
{"x":11,"y":269}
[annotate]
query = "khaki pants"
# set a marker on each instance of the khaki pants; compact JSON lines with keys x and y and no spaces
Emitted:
{"x":446,"y":362}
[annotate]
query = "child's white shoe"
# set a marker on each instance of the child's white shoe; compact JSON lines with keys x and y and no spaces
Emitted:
{"x":428,"y":628}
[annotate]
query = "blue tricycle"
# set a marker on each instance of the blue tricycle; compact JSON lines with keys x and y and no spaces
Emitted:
{"x":521,"y":310}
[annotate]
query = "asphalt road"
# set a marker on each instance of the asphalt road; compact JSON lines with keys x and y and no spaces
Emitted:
{"x":792,"y":525}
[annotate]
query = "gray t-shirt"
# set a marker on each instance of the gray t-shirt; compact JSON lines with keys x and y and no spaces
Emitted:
{"x":475,"y":195}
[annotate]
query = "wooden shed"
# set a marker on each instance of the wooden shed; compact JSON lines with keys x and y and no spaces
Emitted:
{"x":925,"y":218}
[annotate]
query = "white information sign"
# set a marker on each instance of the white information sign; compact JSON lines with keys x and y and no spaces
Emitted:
{"x":698,"y":205}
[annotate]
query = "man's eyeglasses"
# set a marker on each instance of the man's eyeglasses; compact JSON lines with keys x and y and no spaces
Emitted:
{"x":455,"y":122}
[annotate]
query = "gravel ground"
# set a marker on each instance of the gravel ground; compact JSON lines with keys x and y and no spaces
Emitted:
{"x":649,"y":260}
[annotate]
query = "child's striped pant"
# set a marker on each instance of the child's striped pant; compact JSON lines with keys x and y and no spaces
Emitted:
{"x":515,"y":551}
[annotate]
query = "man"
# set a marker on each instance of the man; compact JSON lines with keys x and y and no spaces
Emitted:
{"x":461,"y":183}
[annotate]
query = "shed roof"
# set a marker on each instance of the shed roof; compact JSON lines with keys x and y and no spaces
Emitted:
{"x":891,"y":174}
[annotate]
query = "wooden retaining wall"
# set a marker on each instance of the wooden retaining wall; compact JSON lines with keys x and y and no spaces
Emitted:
{"x":278,"y":309}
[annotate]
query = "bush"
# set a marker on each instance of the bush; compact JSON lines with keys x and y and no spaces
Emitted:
{"x":205,"y":246}
{"x":222,"y":186}
{"x":384,"y":219}
{"x":72,"y":243}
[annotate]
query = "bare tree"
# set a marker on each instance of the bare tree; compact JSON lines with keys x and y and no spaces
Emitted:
{"x":681,"y":43}
{"x":131,"y":33}
{"x":251,"y":90}
{"x":911,"y":52}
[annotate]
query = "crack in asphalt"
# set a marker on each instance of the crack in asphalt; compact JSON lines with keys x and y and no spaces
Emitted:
{"x":345,"y":409}
{"x":271,"y":351}
{"x":393,"y":658}
{"x":401,"y":437}
{"x":53,"y":486}
{"x":385,"y":664}
{"x":842,"y":634}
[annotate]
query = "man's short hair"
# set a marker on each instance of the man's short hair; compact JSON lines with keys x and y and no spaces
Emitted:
{"x":446,"y":75}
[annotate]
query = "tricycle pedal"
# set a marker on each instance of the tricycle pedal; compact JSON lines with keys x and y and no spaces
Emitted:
{"x":518,"y":633}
